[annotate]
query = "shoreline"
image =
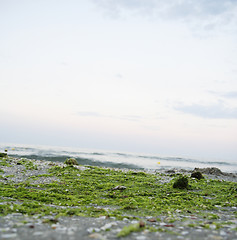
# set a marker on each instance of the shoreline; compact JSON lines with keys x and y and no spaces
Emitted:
{"x":210,"y":172}
{"x":29,"y":176}
{"x":105,"y":158}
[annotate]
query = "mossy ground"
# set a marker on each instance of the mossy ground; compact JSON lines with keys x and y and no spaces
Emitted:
{"x":90,"y":192}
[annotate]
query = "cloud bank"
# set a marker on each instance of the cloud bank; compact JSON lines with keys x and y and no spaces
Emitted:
{"x":215,"y":111}
{"x":230,"y":95}
{"x":97,"y":114}
{"x":209,"y":14}
{"x":182,"y":8}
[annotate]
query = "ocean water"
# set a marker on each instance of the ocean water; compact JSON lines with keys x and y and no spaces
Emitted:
{"x":113,"y":158}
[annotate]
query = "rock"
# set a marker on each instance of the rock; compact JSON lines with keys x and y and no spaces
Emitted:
{"x":181,"y":183}
{"x":9,"y":236}
{"x":119,"y":188}
{"x":107,"y":226}
{"x":93,"y":230}
{"x":3,"y":154}
{"x":197,"y":175}
{"x":50,"y":221}
{"x":213,"y":171}
{"x":169,"y":225}
{"x":141,"y":237}
{"x":142,"y":224}
{"x":96,"y":236}
{"x":151,"y":220}
{"x":71,"y":161}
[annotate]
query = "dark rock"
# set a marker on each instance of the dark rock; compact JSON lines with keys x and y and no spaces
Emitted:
{"x":169,"y":225}
{"x":197,"y":175}
{"x":170,"y":171}
{"x":213,"y":171}
{"x":3,"y":154}
{"x":50,"y":221}
{"x":142,"y":224}
{"x":181,"y":183}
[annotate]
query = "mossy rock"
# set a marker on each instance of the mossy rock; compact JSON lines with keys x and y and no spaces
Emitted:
{"x":71,"y":161}
{"x":181,"y":183}
{"x":3,"y":154}
{"x":197,"y":175}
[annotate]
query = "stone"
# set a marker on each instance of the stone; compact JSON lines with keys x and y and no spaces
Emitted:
{"x":96,"y":236}
{"x":198,"y":175}
{"x":151,"y":220}
{"x":181,"y":183}
{"x":119,"y":188}
{"x":108,"y":226}
{"x":3,"y":154}
{"x":212,"y":170}
{"x":71,"y":161}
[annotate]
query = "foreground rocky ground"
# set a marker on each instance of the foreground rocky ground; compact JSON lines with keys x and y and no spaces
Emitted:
{"x":41,"y":200}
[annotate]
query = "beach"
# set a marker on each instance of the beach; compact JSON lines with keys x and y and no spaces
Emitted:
{"x":42,"y":199}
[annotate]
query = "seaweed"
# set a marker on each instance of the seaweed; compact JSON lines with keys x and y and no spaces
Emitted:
{"x":98,"y":191}
{"x":136,"y":227}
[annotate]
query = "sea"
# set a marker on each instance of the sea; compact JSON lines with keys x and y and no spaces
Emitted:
{"x":114,"y":159}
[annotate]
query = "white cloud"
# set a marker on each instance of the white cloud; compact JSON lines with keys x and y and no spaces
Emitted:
{"x":97,"y":114}
{"x":214,"y":111}
{"x":230,"y":94}
{"x":89,"y":114}
{"x":206,"y":15}
{"x":177,"y":8}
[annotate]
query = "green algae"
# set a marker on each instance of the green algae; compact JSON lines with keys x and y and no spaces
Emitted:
{"x":136,"y":227}
{"x":90,"y":192}
{"x":4,"y":161}
{"x":28,"y":164}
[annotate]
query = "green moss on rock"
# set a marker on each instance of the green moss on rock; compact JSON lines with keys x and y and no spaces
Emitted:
{"x":181,"y":183}
{"x":71,"y":161}
{"x":3,"y":155}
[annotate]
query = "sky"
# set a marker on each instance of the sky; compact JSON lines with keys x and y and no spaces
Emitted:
{"x":150,"y":76}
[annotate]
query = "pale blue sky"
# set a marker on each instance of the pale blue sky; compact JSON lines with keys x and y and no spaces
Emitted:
{"x":129,"y":75}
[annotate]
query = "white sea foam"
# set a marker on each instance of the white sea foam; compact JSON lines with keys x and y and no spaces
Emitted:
{"x":113,"y":159}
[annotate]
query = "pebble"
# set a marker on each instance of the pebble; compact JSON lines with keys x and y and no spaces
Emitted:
{"x":222,"y":233}
{"x":96,"y":236}
{"x":91,"y":230}
{"x":9,"y":236}
{"x":141,"y":238}
{"x":212,"y":226}
{"x":37,"y":233}
{"x":108,"y":226}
